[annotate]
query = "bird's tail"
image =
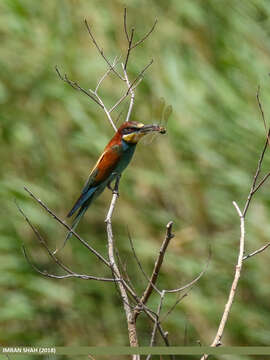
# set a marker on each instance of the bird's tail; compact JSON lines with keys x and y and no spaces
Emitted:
{"x":74,"y":225}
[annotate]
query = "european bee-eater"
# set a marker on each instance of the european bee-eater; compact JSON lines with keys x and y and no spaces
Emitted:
{"x":114,"y":159}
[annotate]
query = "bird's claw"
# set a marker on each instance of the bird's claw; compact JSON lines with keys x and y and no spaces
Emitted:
{"x":114,"y":189}
{"x":109,"y":186}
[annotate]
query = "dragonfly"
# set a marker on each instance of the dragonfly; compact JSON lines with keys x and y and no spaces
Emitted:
{"x":162,"y":112}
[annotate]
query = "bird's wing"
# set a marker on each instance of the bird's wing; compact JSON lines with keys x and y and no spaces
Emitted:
{"x":100,"y":173}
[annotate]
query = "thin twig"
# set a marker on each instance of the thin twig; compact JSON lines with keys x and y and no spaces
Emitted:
{"x":146,"y":35}
{"x":153,"y":336}
{"x":105,"y":110}
{"x":194,"y":280}
{"x":157,"y":266}
{"x":92,"y":94}
{"x":218,"y":337}
{"x":254,"y":188}
{"x":261,"y":183}
{"x":260,"y":107}
{"x":72,"y":275}
{"x":141,"y":73}
{"x":125,"y":23}
{"x":257,"y":251}
{"x":75,"y":85}
{"x":101,"y":51}
{"x":54,"y":258}
{"x":131,"y":92}
{"x":140,"y":265}
{"x":180,"y":297}
{"x":129,"y":47}
{"x":106,"y":74}
{"x":89,"y":247}
{"x":132,"y":86}
{"x":123,"y":267}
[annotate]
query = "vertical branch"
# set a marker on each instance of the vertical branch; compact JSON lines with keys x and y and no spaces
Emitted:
{"x":156,"y":322}
{"x":157,"y":266}
{"x":217,"y":339}
{"x":132,"y":96}
{"x":132,"y":333}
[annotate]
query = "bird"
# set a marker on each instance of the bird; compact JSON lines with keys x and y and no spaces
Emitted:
{"x":110,"y":165}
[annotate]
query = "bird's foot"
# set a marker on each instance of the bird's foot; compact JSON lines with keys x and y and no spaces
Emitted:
{"x":115,"y":189}
{"x":109,"y":186}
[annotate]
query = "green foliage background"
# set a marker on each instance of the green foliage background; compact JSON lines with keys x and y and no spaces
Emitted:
{"x":209,"y":57}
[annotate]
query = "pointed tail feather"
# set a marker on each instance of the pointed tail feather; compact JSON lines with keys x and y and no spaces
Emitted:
{"x":73,"y":227}
{"x":76,"y":221}
{"x":82,"y":200}
{"x":83,"y":203}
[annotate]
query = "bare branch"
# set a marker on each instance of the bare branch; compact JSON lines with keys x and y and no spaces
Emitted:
{"x":129,"y":47}
{"x":141,"y":73}
{"x":124,"y":287}
{"x":158,"y":263}
{"x":261,"y":108}
{"x":254,"y":188}
{"x":123,"y":267}
{"x":259,"y":166}
{"x":257,"y":251}
{"x":125,"y":24}
{"x":75,"y":275}
{"x":132,"y":86}
{"x":261,"y":183}
{"x":194,"y":280}
{"x":140,"y":265}
{"x":146,"y":36}
{"x":217,"y":339}
{"x":75,"y":85}
{"x":132,"y":94}
{"x":101,"y":51}
{"x":106,"y":74}
{"x":129,"y":313}
{"x":157,"y":266}
{"x":105,"y":110}
{"x":156,"y":322}
{"x":54,"y":258}
{"x":92,"y":94}
{"x":89,"y":247}
{"x":180,"y":297}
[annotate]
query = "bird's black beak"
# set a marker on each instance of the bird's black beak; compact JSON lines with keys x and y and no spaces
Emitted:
{"x":151,"y":128}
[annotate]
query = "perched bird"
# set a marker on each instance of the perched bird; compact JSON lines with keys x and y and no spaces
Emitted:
{"x":114,"y":159}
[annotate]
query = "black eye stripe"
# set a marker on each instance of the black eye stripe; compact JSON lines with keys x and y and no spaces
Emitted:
{"x":129,"y":130}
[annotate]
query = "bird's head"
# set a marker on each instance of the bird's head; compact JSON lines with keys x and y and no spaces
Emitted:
{"x":131,"y":131}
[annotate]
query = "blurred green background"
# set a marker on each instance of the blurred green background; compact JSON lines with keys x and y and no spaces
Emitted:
{"x":209,"y":57}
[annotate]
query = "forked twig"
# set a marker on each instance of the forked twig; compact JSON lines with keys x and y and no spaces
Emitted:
{"x":157,"y":266}
{"x":101,"y":51}
{"x":54,"y":258}
{"x":255,"y":187}
{"x":132,"y":86}
{"x":75,"y":85}
{"x":83,"y":242}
